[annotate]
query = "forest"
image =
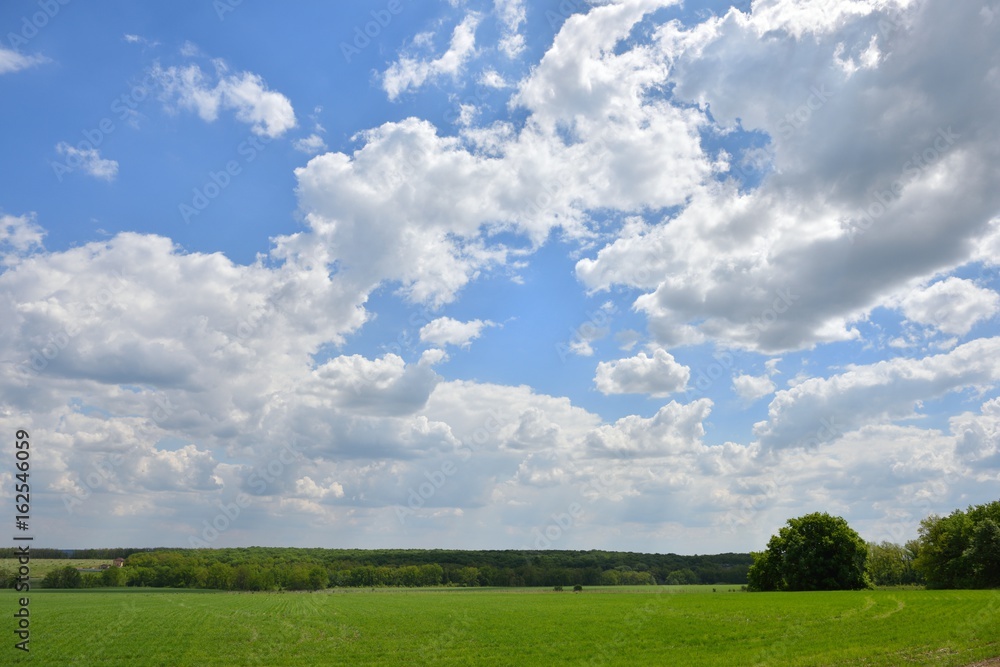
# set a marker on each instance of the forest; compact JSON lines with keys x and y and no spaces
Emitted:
{"x":285,"y":568}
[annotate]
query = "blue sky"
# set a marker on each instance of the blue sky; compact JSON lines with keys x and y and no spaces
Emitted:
{"x":695,"y":268}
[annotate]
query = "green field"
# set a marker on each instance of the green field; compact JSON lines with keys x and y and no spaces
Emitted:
{"x":610,"y":626}
{"x":42,"y":566}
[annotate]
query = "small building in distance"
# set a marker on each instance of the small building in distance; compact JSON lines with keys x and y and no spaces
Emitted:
{"x":119,"y":562}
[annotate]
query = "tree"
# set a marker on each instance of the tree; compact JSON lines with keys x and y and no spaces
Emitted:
{"x":63,"y":577}
{"x":815,"y":552}
{"x":682,"y":577}
{"x":984,"y":554}
{"x":114,"y":576}
{"x":890,"y":564}
{"x":220,"y":576}
{"x":961,"y":550}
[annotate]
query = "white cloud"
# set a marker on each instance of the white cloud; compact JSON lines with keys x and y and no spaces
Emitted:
{"x":801,"y":259}
{"x":310,"y":489}
{"x":512,"y":16}
{"x":228,"y":368}
{"x":20,"y":232}
{"x":819,"y":410}
{"x":493,"y":79}
{"x":752,"y":387}
{"x":268,"y":113}
{"x":12,"y":61}
{"x":311,"y":145}
{"x":676,"y":428}
{"x":87,"y":159}
{"x":658,"y":375}
{"x":637,"y":154}
{"x":953,"y":305}
{"x":447,"y":331}
{"x":410,"y":73}
{"x":977,"y":436}
{"x":197,"y":390}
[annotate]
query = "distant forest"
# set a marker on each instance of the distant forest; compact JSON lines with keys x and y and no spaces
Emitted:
{"x":275,"y":568}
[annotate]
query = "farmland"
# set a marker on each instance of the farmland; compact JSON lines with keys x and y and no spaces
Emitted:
{"x":42,"y":566}
{"x":464,"y":626}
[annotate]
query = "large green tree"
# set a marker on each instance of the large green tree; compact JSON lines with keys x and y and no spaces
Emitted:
{"x":961,"y":550}
{"x":815,"y":552}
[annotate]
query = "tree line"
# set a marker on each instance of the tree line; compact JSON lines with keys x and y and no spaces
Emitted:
{"x":277,"y":568}
{"x":822,"y":552}
{"x":812,"y":552}
{"x":961,"y":550}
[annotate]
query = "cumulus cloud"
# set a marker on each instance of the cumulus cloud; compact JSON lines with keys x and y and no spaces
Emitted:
{"x":183,"y":390}
{"x":311,"y":145}
{"x":410,"y":73}
{"x":658,"y":375}
{"x":860,"y":200}
{"x":752,"y":387}
{"x":978,"y":437}
{"x":447,"y":331}
{"x":21,"y":232}
{"x":675,"y":427}
{"x":953,"y":305}
{"x":269,"y":113}
{"x":819,"y":410}
{"x":636,"y":154}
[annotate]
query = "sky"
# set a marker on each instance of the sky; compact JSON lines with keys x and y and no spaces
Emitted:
{"x":624,"y":274}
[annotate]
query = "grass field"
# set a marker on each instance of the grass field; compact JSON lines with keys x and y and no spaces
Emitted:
{"x":641,"y":626}
{"x":42,"y":566}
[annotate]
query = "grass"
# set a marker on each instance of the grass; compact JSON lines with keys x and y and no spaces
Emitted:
{"x":600,"y":626}
{"x":42,"y":566}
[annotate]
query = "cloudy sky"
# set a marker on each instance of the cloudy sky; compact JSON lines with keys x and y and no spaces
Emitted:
{"x":628,"y":274}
